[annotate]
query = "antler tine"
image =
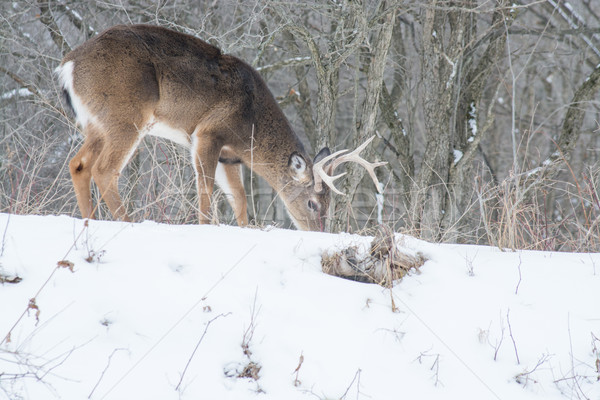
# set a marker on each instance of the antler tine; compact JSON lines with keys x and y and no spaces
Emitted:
{"x":338,"y":158}
{"x":355,"y":157}
{"x":321,"y":176}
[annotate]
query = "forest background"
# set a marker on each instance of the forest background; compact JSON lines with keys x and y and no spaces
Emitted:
{"x":486,"y":111}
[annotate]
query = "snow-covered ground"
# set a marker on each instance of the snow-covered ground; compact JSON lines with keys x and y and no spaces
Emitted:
{"x":153,"y":311}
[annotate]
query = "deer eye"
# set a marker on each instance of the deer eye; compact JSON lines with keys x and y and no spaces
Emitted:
{"x":313,"y":205}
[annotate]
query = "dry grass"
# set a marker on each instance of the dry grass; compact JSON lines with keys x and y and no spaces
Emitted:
{"x":250,"y":371}
{"x":557,"y":216}
{"x":384,"y":264}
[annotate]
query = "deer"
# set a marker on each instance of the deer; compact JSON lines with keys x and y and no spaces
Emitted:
{"x":131,"y":81}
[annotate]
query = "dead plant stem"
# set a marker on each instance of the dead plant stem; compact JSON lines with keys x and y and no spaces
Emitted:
{"x":196,"y":348}
{"x":58,"y":266}
{"x":511,"y":336}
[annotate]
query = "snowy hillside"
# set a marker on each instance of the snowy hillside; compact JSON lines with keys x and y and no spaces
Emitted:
{"x":154,"y":311}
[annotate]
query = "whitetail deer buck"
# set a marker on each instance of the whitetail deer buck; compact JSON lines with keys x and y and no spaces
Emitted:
{"x":137,"y":80}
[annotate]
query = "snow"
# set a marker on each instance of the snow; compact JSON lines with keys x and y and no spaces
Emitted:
{"x":23,"y":92}
{"x":533,"y":171}
{"x":380,"y":201}
{"x":458,"y":155}
{"x":454,"y":70}
{"x":293,"y":60}
{"x":472,"y":121}
{"x":159,"y":307}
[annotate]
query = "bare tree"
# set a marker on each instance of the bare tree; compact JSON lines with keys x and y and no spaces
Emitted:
{"x":458,"y":63}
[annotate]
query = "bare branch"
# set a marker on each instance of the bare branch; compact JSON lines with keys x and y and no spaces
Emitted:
{"x":47,"y":19}
{"x":196,"y":348}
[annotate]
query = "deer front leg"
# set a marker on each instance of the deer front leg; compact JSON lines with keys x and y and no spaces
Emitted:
{"x":229,"y":179}
{"x":205,"y":154}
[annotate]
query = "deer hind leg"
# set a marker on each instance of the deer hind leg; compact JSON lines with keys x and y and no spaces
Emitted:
{"x":80,"y":168}
{"x":229,"y":179}
{"x":205,"y":157}
{"x":116,"y":152}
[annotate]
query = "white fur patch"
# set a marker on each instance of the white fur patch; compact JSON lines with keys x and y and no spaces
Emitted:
{"x":194,"y":156}
{"x":222,"y":181}
{"x":157,"y":128}
{"x":65,"y":76}
{"x":131,"y":151}
{"x":294,"y":220}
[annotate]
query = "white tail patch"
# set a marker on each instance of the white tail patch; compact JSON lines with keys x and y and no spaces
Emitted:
{"x":65,"y":77}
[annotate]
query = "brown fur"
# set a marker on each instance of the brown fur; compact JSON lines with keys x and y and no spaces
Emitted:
{"x":129,"y":75}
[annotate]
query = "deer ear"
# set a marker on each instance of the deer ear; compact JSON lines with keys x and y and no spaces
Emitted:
{"x":297,"y":166}
{"x":322,"y":154}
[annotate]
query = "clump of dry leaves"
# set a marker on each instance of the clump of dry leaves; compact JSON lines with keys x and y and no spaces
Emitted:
{"x":383,"y":264}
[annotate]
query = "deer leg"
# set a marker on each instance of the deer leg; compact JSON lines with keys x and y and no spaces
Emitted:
{"x":229,"y":179}
{"x":205,"y":154}
{"x":108,"y":167}
{"x":80,"y":168}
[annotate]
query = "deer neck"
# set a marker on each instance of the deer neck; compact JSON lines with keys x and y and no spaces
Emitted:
{"x":272,"y":143}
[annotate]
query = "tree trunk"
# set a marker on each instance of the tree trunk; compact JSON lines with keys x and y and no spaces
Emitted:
{"x":368,"y":115}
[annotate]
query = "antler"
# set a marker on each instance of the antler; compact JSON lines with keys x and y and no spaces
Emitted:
{"x":337,"y":159}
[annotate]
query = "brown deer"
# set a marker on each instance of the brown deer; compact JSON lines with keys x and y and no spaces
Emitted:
{"x":137,"y":80}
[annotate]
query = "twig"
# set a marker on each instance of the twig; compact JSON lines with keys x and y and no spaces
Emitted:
{"x":511,"y":336}
{"x":498,"y":343}
{"x":104,"y":371}
{"x":596,"y":353}
{"x":296,"y":61}
{"x":4,"y":236}
{"x":249,"y":333}
{"x":436,"y":366}
{"x":37,"y":367}
{"x":76,"y":20}
{"x":575,"y":378}
{"x":48,"y":20}
{"x":196,"y":348}
{"x":388,"y":144}
{"x":525,"y":374}
{"x":519,"y":282}
{"x":356,"y":376}
{"x":23,"y":83}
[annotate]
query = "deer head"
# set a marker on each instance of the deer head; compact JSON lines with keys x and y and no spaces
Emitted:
{"x":138,"y":80}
